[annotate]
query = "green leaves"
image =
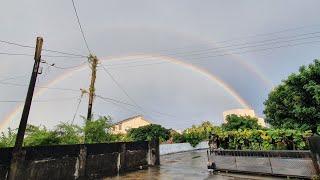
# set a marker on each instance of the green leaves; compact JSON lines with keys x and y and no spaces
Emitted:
{"x":97,"y":131}
{"x":296,"y":101}
{"x":149,"y":132}
{"x":196,"y":134}
{"x":235,"y":122}
{"x":271,"y":139}
{"x":8,"y":140}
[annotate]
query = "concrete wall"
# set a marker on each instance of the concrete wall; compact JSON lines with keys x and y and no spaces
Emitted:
{"x":87,"y":161}
{"x":181,"y":147}
{"x":283,"y":163}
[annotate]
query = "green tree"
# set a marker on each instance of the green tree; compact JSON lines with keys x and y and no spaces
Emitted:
{"x":69,"y":133}
{"x":149,"y":132}
{"x":176,"y":137}
{"x":235,"y":122}
{"x":296,"y":101}
{"x":8,"y":139}
{"x":97,"y":131}
{"x":40,"y":136}
{"x":196,"y":134}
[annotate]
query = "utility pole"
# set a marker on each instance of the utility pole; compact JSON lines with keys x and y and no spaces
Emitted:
{"x":18,"y":154}
{"x":93,"y":61}
{"x":27,"y":104}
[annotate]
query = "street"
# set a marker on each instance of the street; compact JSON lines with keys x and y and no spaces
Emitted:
{"x":186,"y":165}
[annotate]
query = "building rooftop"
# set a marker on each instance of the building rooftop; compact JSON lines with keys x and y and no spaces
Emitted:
{"x":131,"y":118}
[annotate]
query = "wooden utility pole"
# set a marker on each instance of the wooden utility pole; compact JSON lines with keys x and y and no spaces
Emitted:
{"x":18,"y":154}
{"x":27,"y":104}
{"x":93,"y":60}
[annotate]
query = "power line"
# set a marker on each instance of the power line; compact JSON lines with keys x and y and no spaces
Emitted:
{"x":246,"y":37}
{"x":45,"y":87}
{"x":114,"y":100}
{"x":216,"y":50}
{"x":48,"y":50}
{"x":122,"y":89}
{"x":118,"y":104}
{"x":31,"y":55}
{"x":127,"y":94}
{"x":77,"y":108}
{"x":202,"y":58}
{"x":61,"y":67}
{"x":80,"y":26}
{"x":44,"y":100}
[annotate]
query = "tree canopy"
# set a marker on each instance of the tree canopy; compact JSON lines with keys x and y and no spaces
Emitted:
{"x":296,"y":101}
{"x":235,"y":122}
{"x":149,"y":132}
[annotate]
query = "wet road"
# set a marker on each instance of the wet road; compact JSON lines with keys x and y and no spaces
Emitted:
{"x":186,"y":165}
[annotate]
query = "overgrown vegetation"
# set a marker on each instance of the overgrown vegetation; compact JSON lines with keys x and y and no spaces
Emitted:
{"x":149,"y":132}
{"x":235,"y":122}
{"x":235,"y":134}
{"x":196,"y":134}
{"x":295,"y":103}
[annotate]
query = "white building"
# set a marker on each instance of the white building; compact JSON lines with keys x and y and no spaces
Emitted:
{"x":123,"y":126}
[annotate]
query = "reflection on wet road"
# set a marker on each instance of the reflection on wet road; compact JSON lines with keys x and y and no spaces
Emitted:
{"x":186,"y":165}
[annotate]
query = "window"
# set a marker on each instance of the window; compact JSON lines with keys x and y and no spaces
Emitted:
{"x":120,"y":127}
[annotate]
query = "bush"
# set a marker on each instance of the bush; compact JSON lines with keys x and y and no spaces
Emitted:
{"x":196,"y":134}
{"x":40,"y":136}
{"x":97,"y":131}
{"x":235,"y":122}
{"x":272,"y":139}
{"x":69,"y":133}
{"x":149,"y":132}
{"x":176,"y":137}
{"x":8,"y":140}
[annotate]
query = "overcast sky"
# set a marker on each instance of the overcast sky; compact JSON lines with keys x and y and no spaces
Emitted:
{"x":261,"y":43}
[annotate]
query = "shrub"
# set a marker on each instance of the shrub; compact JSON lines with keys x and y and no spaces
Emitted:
{"x":149,"y":132}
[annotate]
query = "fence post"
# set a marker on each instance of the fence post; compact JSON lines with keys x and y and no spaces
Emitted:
{"x":81,"y":171}
{"x":153,"y":152}
{"x":17,"y":164}
{"x":122,"y":163}
{"x":314,"y":143}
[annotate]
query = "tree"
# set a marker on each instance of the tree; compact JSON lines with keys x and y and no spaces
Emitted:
{"x":40,"y":136}
{"x":8,"y":140}
{"x":176,"y":137}
{"x":69,"y":133}
{"x":97,"y":131}
{"x":296,"y":101}
{"x":196,"y":134}
{"x":149,"y":132}
{"x":235,"y":122}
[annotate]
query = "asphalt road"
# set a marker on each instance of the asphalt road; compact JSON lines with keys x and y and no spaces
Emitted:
{"x":186,"y":166}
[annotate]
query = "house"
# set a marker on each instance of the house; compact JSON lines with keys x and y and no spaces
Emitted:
{"x":126,"y":124}
{"x":243,"y":112}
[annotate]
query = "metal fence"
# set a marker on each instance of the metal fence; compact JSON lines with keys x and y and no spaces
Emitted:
{"x":282,"y":163}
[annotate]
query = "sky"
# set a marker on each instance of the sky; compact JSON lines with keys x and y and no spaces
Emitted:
{"x":181,"y":61}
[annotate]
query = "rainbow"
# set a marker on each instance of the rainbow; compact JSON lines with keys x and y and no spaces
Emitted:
{"x":172,"y":60}
{"x":200,"y":38}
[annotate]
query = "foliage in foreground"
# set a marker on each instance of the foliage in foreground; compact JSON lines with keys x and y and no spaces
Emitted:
{"x":149,"y":132}
{"x":196,"y":134}
{"x":98,"y":131}
{"x":254,"y":139}
{"x":235,"y":122}
{"x":296,"y":101}
{"x":271,"y":139}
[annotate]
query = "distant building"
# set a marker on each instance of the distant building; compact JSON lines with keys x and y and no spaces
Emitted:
{"x":126,"y":124}
{"x":243,"y":112}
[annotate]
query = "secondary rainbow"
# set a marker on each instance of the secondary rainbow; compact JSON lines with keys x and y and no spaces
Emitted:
{"x":172,"y":60}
